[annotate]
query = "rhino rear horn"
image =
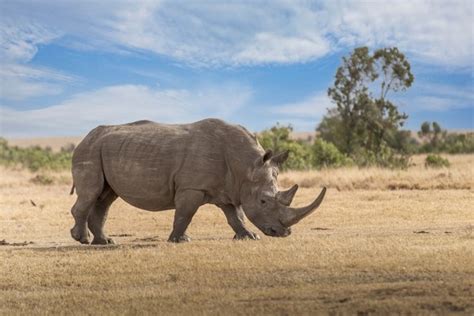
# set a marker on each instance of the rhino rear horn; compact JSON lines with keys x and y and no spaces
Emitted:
{"x":286,"y":197}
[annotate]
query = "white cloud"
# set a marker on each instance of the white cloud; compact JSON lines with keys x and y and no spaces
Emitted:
{"x":240,"y":33}
{"x":18,"y":82}
{"x":19,"y":40}
{"x":121,"y":104}
{"x":313,"y":107}
{"x":436,"y":32}
{"x":267,"y":47}
{"x":302,"y":115}
{"x":438,"y":97}
{"x":18,"y":45}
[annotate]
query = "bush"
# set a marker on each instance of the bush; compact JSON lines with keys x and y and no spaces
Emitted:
{"x":278,"y":139}
{"x":436,"y":161}
{"x":34,"y":158}
{"x":326,"y":154}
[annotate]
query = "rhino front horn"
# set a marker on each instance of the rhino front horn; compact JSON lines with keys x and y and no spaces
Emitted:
{"x":294,"y":215}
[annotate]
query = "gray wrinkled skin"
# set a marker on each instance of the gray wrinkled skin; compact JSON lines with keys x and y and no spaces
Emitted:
{"x":159,"y":167}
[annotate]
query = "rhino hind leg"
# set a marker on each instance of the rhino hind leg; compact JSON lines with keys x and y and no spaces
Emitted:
{"x":80,"y":211}
{"x":98,"y":216}
{"x":187,"y":203}
{"x":89,"y":182}
{"x":236,"y":219}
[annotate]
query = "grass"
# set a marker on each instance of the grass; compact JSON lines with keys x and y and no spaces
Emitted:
{"x":416,"y":177}
{"x":370,"y":248}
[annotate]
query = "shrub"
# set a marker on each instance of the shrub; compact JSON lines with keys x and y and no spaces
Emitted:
{"x":278,"y":139}
{"x":326,"y":154}
{"x":34,"y":158}
{"x":436,"y":161}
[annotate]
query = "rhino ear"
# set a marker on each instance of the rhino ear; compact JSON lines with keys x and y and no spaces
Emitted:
{"x":262,"y":160}
{"x":267,"y":156}
{"x":280,"y":158}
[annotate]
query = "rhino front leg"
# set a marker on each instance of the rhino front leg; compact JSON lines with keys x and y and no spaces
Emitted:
{"x":236,"y":219}
{"x":187,"y":203}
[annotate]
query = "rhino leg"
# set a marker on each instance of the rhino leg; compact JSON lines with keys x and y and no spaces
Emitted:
{"x":80,"y":212}
{"x":187,"y":202}
{"x":98,"y":216}
{"x":236,"y":219}
{"x":89,"y":181}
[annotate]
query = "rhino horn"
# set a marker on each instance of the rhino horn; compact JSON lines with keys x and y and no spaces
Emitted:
{"x":286,"y":197}
{"x":294,"y":215}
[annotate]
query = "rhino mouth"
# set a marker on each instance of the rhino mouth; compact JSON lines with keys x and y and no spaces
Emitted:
{"x":277,"y":231}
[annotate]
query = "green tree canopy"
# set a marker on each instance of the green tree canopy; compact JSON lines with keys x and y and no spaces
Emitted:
{"x":364,"y":121}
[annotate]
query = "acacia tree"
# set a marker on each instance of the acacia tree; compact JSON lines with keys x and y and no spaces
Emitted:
{"x":433,"y":135}
{"x":350,"y":88}
{"x":394,"y":74}
{"x":362,"y":121}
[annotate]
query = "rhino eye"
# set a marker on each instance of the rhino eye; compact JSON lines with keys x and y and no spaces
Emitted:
{"x":263,"y":201}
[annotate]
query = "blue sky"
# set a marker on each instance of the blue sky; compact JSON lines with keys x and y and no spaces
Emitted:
{"x":67,"y":66}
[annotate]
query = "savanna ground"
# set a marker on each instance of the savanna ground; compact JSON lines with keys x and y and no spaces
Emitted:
{"x":382,"y":242}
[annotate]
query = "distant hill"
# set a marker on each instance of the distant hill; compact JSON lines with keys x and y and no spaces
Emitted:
{"x":55,"y":143}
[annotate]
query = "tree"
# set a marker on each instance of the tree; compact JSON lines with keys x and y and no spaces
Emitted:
{"x":433,"y":136}
{"x":362,"y":124}
{"x":350,"y":87}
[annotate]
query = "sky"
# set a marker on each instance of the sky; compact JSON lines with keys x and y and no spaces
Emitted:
{"x":68,"y":66}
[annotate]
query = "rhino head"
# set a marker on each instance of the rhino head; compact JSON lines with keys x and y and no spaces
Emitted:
{"x":264,"y":205}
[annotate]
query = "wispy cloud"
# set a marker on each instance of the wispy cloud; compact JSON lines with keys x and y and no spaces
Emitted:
{"x":121,"y":104}
{"x":19,"y":82}
{"x":18,"y":45}
{"x":313,"y":107}
{"x":19,"y":40}
{"x":303,"y":115}
{"x":243,"y":33}
{"x":438,"y":97}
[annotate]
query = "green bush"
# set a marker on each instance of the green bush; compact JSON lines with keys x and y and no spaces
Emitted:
{"x":326,"y":154}
{"x":436,"y":161}
{"x":278,"y":139}
{"x":34,"y":158}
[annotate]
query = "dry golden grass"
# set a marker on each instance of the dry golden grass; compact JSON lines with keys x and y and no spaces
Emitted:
{"x":459,"y":176}
{"x":366,"y":250}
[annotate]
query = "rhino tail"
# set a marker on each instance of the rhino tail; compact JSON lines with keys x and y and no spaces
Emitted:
{"x":72,"y":189}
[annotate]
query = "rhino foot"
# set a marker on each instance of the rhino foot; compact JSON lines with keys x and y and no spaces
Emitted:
{"x":80,"y":237}
{"x":103,"y":241}
{"x":179,"y":239}
{"x":246,"y":235}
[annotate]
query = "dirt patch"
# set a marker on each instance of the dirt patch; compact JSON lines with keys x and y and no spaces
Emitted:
{"x":24,"y":243}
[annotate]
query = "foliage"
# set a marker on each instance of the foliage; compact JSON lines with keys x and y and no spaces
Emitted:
{"x":34,"y":158}
{"x":278,"y":139}
{"x":432,"y":135}
{"x":435,"y":139}
{"x":362,"y":126}
{"x":458,"y":143}
{"x":303,"y":155}
{"x":326,"y":154}
{"x":436,"y":161}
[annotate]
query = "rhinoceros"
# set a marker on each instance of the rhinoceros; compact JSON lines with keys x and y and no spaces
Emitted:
{"x":158,"y":167}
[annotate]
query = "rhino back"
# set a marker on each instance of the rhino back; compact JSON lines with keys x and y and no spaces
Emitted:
{"x":147,"y":163}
